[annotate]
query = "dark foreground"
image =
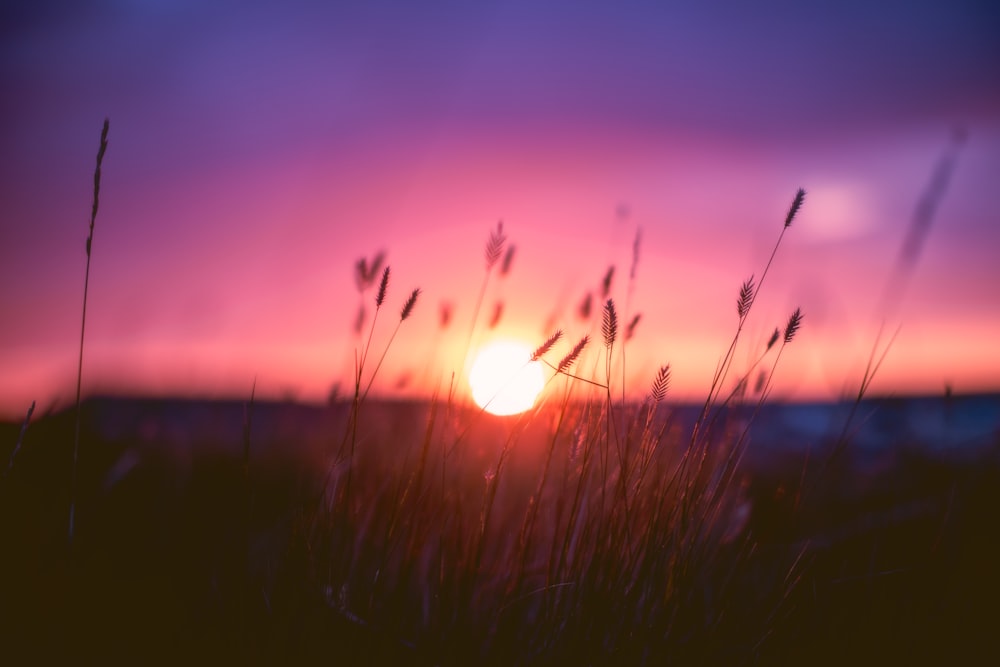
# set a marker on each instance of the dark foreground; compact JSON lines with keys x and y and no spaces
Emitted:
{"x":188,"y":546}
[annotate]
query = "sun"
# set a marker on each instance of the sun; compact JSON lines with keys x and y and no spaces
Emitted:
{"x":504,"y":379}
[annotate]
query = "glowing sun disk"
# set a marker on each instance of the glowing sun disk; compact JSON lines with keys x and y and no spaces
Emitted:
{"x":504,"y":380}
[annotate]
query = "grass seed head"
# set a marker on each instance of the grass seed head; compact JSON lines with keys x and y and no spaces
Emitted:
{"x":606,"y":282}
{"x":542,"y":349}
{"x":382,"y":287}
{"x":361,"y":273}
{"x":359,"y":319}
{"x":636,"y":246}
{"x":610,"y":325}
{"x":444,"y":317}
{"x":745,"y":300}
{"x":365,"y":271}
{"x":494,"y":246}
{"x":661,"y":383}
{"x":793,"y":325}
{"x":796,"y":205}
{"x":97,"y":180}
{"x":508,"y":260}
{"x":630,"y":329}
{"x":497,"y":314}
{"x":583,"y":311}
{"x":774,"y":338}
{"x":408,"y":306}
{"x":570,"y":358}
{"x":760,"y":383}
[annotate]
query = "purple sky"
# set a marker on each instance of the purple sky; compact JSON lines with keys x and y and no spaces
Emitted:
{"x":257,"y":151}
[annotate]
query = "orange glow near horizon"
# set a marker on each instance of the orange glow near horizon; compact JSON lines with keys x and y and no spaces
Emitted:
{"x":424,"y":356}
{"x":253,"y":166}
{"x":204,"y":335}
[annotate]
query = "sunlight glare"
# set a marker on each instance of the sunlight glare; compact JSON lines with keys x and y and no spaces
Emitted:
{"x":504,"y":380}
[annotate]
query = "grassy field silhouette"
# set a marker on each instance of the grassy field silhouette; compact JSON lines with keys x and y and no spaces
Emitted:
{"x":594,"y":528}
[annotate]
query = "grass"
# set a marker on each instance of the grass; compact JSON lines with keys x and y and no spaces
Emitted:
{"x":83,"y":321}
{"x":588,"y":530}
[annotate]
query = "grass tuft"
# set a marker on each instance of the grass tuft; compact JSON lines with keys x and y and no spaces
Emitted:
{"x":580,"y":531}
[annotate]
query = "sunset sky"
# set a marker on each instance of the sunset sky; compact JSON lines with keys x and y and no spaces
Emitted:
{"x":257,"y":151}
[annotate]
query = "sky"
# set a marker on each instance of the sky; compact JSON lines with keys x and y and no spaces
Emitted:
{"x":258,"y":150}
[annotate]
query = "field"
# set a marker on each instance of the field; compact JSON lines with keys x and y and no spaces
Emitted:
{"x":191,"y":545}
{"x":600,"y":526}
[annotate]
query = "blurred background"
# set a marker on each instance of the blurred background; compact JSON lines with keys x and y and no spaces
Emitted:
{"x":258,"y":150}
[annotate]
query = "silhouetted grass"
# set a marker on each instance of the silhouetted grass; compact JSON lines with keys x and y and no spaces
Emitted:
{"x":587,"y":530}
{"x":83,"y":320}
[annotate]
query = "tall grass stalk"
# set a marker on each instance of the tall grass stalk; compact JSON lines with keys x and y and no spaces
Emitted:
{"x":492,"y":254}
{"x":359,"y":397}
{"x":745,"y":302}
{"x":244,"y":575}
{"x":20,"y":438}
{"x":633,"y":320}
{"x":83,"y":327}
